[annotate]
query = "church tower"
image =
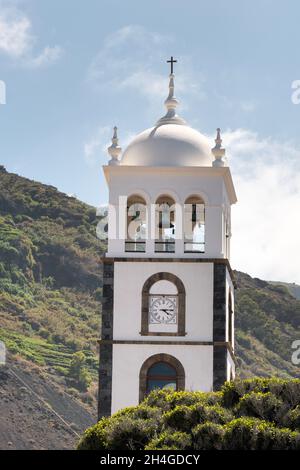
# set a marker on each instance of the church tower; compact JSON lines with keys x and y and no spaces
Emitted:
{"x":168,"y":293}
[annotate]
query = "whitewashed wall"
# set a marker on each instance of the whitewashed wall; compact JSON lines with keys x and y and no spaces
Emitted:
{"x":129,"y":278}
{"x":197,"y":362}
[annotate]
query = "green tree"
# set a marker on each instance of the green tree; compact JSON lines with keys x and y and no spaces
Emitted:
{"x":78,"y":371}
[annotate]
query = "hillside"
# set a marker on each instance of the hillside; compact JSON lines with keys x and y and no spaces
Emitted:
{"x":50,"y":280}
{"x":50,"y":293}
{"x":267,"y":322}
{"x":36,"y":413}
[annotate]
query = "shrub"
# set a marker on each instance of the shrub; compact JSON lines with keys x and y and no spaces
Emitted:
{"x":141,"y":412}
{"x":259,"y":405}
{"x":192,"y":398}
{"x":292,"y":419}
{"x":125,"y":432}
{"x":286,"y":390}
{"x":170,"y":441}
{"x":255,"y":434}
{"x":184,"y":418}
{"x":78,"y":372}
{"x":159,"y":399}
{"x":208,"y":436}
{"x":168,"y":420}
{"x":95,"y":437}
{"x":181,"y":418}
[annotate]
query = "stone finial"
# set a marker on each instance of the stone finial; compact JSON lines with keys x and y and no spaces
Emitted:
{"x":114,"y":150}
{"x":218,"y":151}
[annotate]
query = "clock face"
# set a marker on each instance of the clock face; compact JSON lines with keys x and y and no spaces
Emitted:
{"x":163,"y":309}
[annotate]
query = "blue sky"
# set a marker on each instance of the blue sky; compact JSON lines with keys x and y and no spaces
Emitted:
{"x":75,"y":69}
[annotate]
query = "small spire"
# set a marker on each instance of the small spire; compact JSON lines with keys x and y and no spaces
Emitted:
{"x":218,"y":151}
{"x":114,"y":150}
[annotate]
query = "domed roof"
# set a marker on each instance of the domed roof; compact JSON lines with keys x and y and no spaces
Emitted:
{"x":169,"y":144}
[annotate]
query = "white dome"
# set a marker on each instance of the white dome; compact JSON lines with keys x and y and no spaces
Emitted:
{"x":168,"y":145}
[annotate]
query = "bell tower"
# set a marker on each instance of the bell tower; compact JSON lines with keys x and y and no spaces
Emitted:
{"x":168,"y":293}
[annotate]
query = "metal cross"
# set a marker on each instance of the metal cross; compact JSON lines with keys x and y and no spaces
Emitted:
{"x":171,"y":61}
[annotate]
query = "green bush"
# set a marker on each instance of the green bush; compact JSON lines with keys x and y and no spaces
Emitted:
{"x":286,"y":390}
{"x":181,"y":418}
{"x":266,"y":420}
{"x":292,"y":419}
{"x":78,"y":371}
{"x":159,"y":399}
{"x":142,"y":411}
{"x":184,"y":418}
{"x":95,"y":438}
{"x":259,"y":405}
{"x":208,"y":436}
{"x":169,"y":440}
{"x":255,"y":434}
{"x":124,"y":432}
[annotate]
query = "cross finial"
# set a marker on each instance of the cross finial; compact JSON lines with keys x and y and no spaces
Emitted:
{"x":172,"y":61}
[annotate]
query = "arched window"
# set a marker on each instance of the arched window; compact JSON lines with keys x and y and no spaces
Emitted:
{"x":163,"y":305}
{"x":161,"y":371}
{"x":136,"y":224}
{"x":161,"y":375}
{"x":194,"y":225}
{"x":165,"y":224}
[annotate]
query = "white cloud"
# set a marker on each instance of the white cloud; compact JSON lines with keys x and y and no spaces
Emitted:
{"x":48,"y":56}
{"x":266,"y":222}
{"x":96,"y":145}
{"x":128,"y":58}
{"x":15,"y":37}
{"x":17,"y":40}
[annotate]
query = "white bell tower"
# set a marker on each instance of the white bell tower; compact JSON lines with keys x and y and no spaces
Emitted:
{"x":168,"y":294}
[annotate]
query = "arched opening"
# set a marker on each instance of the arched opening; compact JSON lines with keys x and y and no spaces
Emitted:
{"x":161,"y":375}
{"x":165,"y":224}
{"x":159,"y":372}
{"x":136,"y":228}
{"x":163,"y":305}
{"x":194,"y":225}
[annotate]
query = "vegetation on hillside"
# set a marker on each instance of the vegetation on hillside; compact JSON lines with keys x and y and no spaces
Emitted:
{"x":50,"y":278}
{"x":256,"y":414}
{"x":267,"y":321}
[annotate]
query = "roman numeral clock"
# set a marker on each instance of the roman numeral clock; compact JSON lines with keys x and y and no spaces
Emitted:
{"x":168,"y":290}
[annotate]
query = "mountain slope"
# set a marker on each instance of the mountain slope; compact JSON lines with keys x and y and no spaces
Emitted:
{"x":267,"y":322}
{"x":28,"y":399}
{"x":50,"y":280}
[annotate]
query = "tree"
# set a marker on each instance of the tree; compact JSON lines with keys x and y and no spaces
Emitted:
{"x":78,"y":371}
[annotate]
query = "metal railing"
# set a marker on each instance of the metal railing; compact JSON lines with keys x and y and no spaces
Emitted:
{"x":133,"y":246}
{"x":165,"y":246}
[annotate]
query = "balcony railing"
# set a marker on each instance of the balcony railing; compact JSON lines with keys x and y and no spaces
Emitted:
{"x":133,"y":246}
{"x":165,"y":246}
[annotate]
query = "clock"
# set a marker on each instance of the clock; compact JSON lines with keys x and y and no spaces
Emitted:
{"x":163,"y":309}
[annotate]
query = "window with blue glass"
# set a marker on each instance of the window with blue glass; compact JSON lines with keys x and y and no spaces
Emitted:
{"x":161,"y":375}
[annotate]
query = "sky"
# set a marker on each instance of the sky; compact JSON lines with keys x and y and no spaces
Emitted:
{"x":74,"y":69}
